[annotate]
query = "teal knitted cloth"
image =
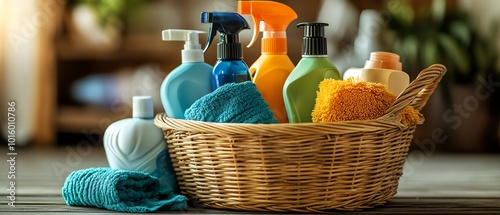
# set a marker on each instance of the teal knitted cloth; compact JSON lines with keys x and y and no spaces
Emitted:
{"x":232,"y":103}
{"x":118,"y":190}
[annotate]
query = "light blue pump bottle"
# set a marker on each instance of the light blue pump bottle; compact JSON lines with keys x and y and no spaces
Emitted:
{"x":230,"y":67}
{"x":189,"y":81}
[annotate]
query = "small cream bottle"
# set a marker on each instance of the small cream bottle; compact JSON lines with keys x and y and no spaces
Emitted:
{"x":384,"y":68}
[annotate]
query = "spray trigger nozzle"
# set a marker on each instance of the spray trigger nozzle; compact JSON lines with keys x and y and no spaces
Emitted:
{"x":228,"y":24}
{"x":256,"y":31}
{"x":274,"y":16}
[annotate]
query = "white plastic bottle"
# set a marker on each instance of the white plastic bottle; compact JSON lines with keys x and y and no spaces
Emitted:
{"x":137,"y":144}
{"x":384,"y":68}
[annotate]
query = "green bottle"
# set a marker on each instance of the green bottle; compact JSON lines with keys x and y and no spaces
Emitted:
{"x":299,"y":91}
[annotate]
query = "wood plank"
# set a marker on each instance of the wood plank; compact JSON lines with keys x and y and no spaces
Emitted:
{"x":42,"y":171}
{"x":55,"y":204}
{"x":451,"y":175}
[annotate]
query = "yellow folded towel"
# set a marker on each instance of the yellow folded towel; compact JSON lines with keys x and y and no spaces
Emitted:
{"x":346,"y":100}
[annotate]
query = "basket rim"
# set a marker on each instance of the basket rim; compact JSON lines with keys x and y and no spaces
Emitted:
{"x":345,"y":127}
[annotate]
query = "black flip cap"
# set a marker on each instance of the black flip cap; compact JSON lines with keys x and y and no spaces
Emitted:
{"x":314,"y":41}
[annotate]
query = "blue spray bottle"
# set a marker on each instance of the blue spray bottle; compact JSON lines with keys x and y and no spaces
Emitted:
{"x":230,"y":67}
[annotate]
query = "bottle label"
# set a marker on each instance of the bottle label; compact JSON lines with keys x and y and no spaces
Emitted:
{"x":230,"y":78}
{"x":240,"y":78}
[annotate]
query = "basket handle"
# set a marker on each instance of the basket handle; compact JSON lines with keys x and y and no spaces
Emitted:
{"x":419,"y":91}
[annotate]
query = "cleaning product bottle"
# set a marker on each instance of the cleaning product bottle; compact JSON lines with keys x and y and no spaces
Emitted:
{"x":302,"y":84}
{"x":230,"y":67}
{"x":137,"y":144}
{"x":189,"y":81}
{"x":272,"y":68}
{"x":384,"y":68}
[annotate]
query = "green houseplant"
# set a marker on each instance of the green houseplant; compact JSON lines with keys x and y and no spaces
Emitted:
{"x":438,"y":33}
{"x":434,"y":34}
{"x":99,"y":25}
{"x":111,"y":12}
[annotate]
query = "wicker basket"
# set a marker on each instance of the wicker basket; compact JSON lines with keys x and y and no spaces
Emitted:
{"x":303,"y":167}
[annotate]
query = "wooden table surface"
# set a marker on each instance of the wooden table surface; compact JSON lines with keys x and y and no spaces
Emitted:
{"x":434,"y":184}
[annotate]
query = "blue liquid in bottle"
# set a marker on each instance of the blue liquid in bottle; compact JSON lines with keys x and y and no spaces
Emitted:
{"x":229,"y":71}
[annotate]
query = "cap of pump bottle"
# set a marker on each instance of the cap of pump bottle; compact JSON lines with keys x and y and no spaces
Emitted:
{"x":314,"y":42}
{"x":142,"y":107}
{"x":192,"y":49}
{"x":229,"y":25}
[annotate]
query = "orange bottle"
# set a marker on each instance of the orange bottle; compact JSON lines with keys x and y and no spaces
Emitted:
{"x":270,"y":71}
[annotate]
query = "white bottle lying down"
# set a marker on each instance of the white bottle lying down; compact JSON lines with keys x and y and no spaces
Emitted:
{"x":384,"y":68}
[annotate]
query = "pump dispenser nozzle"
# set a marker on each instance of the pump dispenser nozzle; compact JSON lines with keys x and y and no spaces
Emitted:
{"x":229,"y":25}
{"x":192,"y":49}
{"x":314,"y":42}
{"x":274,"y":18}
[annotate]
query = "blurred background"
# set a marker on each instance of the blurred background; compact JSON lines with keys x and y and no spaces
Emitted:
{"x":72,"y":67}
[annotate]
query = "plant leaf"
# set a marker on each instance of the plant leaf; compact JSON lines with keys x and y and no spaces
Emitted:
{"x":455,"y":53}
{"x":481,"y":57}
{"x":429,"y":52}
{"x":410,"y":48}
{"x":402,"y":12}
{"x":461,"y":31}
{"x":438,"y":10}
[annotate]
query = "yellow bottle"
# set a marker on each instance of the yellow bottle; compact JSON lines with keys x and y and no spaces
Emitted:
{"x":270,"y":71}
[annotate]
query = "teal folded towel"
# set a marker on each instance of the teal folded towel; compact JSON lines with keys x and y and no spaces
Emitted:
{"x":232,"y":103}
{"x":118,"y":190}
